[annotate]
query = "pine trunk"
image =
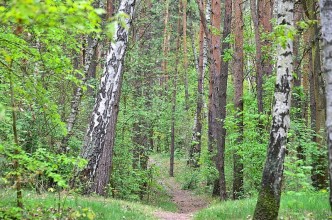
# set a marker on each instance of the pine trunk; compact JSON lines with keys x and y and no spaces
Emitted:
{"x":238,"y":98}
{"x":269,"y":196}
{"x":221,"y":96}
{"x":259,"y":67}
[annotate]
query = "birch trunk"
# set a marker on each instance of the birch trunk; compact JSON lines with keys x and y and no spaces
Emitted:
{"x":195,"y":149}
{"x":326,"y":21}
{"x":269,"y":196}
{"x":99,"y":139}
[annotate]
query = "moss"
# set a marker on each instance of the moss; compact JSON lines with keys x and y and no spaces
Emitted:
{"x":267,"y":206}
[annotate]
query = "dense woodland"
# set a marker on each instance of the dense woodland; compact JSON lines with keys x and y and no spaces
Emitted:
{"x":236,"y":96}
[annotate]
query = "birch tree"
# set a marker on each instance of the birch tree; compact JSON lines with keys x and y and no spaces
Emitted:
{"x":269,"y":196}
{"x":326,"y":21}
{"x":99,"y":139}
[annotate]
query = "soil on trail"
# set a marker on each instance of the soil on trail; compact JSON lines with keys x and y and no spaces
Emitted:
{"x":187,"y":202}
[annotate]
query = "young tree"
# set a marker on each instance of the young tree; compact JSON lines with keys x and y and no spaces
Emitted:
{"x":99,"y":139}
{"x":269,"y":196}
{"x":326,"y":15}
{"x":185,"y":56}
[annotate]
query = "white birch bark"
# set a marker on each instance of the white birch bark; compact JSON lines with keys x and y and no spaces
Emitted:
{"x":99,"y":140}
{"x":269,"y":196}
{"x":326,"y":21}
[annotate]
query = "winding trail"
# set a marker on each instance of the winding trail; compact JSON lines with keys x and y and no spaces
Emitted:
{"x":186,"y":201}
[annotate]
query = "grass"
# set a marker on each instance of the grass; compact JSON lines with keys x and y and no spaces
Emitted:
{"x":81,"y":207}
{"x":313,"y":205}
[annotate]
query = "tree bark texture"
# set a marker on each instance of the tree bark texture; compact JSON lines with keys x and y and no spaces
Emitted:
{"x":317,"y":98}
{"x":238,"y":98}
{"x":326,"y":21}
{"x":214,"y":102}
{"x":259,"y":66}
{"x":99,"y":139}
{"x":269,"y":196}
{"x":221,"y":95}
{"x":265,"y":12}
{"x":195,"y":149}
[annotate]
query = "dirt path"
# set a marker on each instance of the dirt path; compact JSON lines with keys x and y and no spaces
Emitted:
{"x":187,"y":202}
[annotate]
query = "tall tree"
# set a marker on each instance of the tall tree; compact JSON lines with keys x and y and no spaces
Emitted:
{"x":238,"y":97}
{"x":185,"y":56}
{"x":317,"y":98}
{"x":99,"y":139}
{"x":258,"y":63}
{"x":269,"y":196}
{"x":172,"y":147}
{"x":219,"y":94}
{"x":195,"y":149}
{"x":326,"y":15}
{"x":265,"y":12}
{"x":214,"y":85}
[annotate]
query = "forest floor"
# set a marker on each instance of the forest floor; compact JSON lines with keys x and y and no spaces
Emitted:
{"x":187,"y":202}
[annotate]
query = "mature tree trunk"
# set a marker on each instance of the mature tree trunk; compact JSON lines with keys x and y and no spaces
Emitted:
{"x":195,"y":148}
{"x":99,"y":140}
{"x":221,"y":95}
{"x":265,"y":12}
{"x":172,"y":148}
{"x":326,"y":21}
{"x":238,"y":98}
{"x":317,"y":98}
{"x":269,"y":196}
{"x":214,"y":85}
{"x":259,"y":66}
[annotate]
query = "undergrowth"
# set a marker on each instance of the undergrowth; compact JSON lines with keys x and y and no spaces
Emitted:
{"x":306,"y":205}
{"x":47,"y":206}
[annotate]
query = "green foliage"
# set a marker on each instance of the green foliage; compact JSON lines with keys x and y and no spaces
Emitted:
{"x":40,"y":164}
{"x":314,"y":206}
{"x":282,"y":34}
{"x":77,"y":208}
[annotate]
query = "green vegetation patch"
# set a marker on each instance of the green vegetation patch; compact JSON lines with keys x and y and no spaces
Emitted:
{"x":308,"y":205}
{"x":47,"y":206}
